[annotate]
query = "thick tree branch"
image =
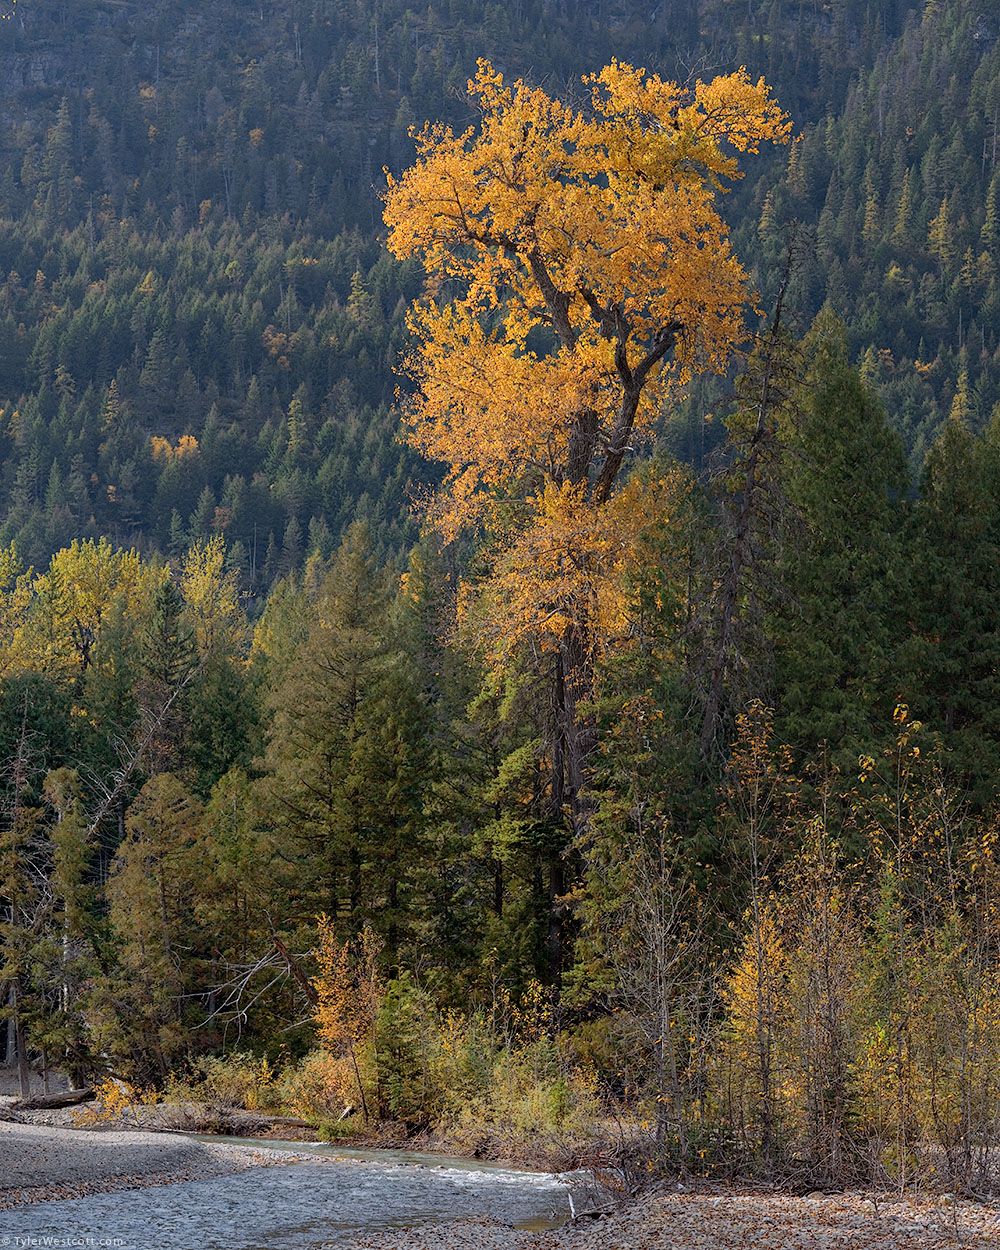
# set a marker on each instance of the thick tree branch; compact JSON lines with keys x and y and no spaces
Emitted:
{"x":301,"y":980}
{"x":556,"y":301}
{"x":632,"y":381}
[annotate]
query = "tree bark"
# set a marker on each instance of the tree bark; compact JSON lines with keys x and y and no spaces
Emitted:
{"x":23,"y":1074}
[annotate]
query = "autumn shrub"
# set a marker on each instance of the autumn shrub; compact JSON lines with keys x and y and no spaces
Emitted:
{"x":464,"y":1060}
{"x":536,"y":1091}
{"x":518,"y":1112}
{"x":482,"y":1078}
{"x":927,"y":1074}
{"x":350,"y":990}
{"x":318,"y":1088}
{"x":118,"y":1104}
{"x":236,"y":1081}
{"x":511,"y":1081}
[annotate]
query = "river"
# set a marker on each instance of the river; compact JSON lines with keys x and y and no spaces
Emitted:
{"x":296,"y":1207}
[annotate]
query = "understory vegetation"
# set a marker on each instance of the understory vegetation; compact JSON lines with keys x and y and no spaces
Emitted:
{"x":844,"y":1029}
{"x":311,"y":863}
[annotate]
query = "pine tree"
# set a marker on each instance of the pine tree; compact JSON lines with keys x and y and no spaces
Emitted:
{"x":837,"y":634}
{"x":954,"y":687}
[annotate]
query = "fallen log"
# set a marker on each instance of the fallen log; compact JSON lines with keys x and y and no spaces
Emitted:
{"x":273,"y":1121}
{"x":45,"y":1102}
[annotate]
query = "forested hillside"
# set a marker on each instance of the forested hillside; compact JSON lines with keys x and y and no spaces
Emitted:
{"x":898,"y":189}
{"x":484,"y":703}
{"x":191,"y":218}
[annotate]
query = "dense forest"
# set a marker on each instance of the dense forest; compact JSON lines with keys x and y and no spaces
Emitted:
{"x":315,"y":794}
{"x":191,"y":218}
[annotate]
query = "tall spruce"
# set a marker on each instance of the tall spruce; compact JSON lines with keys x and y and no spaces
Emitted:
{"x":954,"y":684}
{"x":839,"y":630}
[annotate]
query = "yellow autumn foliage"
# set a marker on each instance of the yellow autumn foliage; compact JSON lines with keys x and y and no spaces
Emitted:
{"x":578,"y":272}
{"x":569,"y":565}
{"x":162,"y":451}
{"x":15,"y":600}
{"x":212,"y":598}
{"x":85,"y":586}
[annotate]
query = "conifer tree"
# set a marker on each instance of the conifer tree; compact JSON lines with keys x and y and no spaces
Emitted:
{"x":314,"y":712}
{"x":146,"y":998}
{"x":839,"y":630}
{"x":953,"y":682}
{"x":64,"y":963}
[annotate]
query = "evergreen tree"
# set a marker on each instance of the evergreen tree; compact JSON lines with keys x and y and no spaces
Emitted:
{"x":954,"y":684}
{"x":147,"y":998}
{"x":838,"y":633}
{"x":314,"y":714}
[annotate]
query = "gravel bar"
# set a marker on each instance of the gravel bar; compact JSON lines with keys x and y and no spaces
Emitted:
{"x":39,"y":1163}
{"x":733,"y":1220}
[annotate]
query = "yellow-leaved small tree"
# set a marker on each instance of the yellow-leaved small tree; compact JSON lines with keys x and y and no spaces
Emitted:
{"x":349,"y":989}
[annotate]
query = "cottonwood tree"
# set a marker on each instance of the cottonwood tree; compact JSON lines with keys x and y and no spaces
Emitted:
{"x":578,"y":274}
{"x":73,"y":601}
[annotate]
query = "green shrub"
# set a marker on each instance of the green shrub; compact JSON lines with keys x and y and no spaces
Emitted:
{"x":237,"y":1081}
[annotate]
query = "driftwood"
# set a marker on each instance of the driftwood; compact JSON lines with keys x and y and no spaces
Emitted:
{"x":592,"y":1213}
{"x":268,"y":1121}
{"x":43,"y":1102}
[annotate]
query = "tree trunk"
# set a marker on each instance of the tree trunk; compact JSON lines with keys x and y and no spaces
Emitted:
{"x":10,"y":1046}
{"x":23,"y":1075}
{"x":745,"y":514}
{"x":573,"y":742}
{"x":45,"y":1102}
{"x":574,"y":685}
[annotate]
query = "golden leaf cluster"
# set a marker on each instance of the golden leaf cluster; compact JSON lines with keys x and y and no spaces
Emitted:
{"x":577,"y":272}
{"x":162,"y":451}
{"x":569,"y":565}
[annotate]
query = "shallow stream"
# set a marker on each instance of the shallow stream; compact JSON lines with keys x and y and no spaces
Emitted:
{"x":297,"y":1207}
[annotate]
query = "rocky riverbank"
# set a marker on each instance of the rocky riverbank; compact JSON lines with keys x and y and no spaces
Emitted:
{"x":44,"y":1163}
{"x":729,"y":1219}
{"x":39,"y":1163}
